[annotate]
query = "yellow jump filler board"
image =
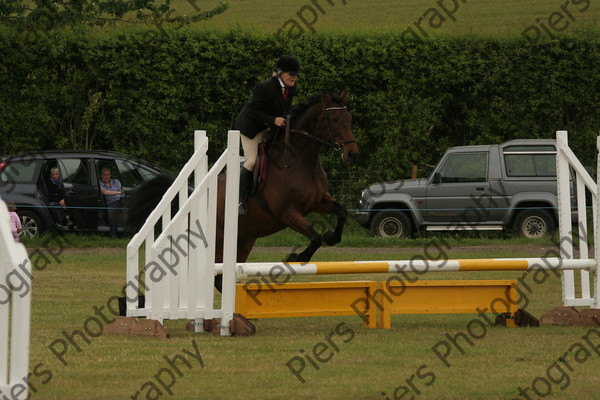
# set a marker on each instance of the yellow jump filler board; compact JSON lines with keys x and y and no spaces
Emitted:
{"x":447,"y":297}
{"x":365,"y":298}
{"x":309,"y":299}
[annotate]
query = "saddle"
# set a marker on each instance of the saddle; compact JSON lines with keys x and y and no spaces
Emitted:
{"x":260,"y":170}
{"x":260,"y":178}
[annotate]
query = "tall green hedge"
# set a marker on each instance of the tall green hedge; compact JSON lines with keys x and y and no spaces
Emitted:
{"x":144,"y":92}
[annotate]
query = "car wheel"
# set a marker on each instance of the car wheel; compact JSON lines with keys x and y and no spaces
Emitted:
{"x":31,"y":223}
{"x":534,"y":224}
{"x":391,"y":224}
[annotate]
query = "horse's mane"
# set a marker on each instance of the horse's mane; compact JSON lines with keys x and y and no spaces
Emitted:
{"x":301,"y":108}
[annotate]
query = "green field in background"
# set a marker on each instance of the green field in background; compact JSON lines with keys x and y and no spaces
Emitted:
{"x":426,"y":18}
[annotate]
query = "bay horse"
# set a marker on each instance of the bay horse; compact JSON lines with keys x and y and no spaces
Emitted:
{"x":295,"y":185}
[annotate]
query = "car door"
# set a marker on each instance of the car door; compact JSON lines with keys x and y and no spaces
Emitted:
{"x":459,"y":192}
{"x":82,"y":198}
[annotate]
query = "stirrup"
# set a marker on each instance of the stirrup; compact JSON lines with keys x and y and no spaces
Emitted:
{"x":242,"y":210}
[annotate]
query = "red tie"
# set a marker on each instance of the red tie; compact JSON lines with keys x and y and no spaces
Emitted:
{"x":285,"y":93}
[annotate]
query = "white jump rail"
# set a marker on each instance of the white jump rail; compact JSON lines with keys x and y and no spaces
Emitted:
{"x":274,"y":269}
{"x":178,"y":272}
{"x":15,"y":313}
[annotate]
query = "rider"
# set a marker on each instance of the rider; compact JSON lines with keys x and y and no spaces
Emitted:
{"x":270,"y":102}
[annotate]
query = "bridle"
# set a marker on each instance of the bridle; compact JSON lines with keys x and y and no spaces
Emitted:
{"x":335,"y":145}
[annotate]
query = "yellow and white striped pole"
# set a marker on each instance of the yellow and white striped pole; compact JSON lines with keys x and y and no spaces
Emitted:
{"x":416,"y":265}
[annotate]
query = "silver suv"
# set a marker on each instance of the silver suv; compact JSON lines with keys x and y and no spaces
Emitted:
{"x":511,"y":186}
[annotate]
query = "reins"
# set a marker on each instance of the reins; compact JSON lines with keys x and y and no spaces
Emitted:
{"x":337,"y":146}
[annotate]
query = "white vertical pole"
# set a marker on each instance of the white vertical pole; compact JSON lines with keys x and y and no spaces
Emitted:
{"x":21,"y":324}
{"x":583,"y":234}
{"x":564,"y":213}
{"x":4,"y":326}
{"x":4,"y":323}
{"x":15,"y":314}
{"x":231,"y":230}
{"x":198,"y":256}
{"x":596,"y":303}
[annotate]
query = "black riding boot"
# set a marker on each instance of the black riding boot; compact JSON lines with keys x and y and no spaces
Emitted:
{"x":246,"y":182}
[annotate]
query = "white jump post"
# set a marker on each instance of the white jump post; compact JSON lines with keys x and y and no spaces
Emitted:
{"x":179,"y":265}
{"x":566,"y":161}
{"x":15,"y":313}
{"x":230,"y":231}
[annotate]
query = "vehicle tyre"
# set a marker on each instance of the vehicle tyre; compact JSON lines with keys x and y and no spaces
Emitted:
{"x":534,"y":224}
{"x":31,"y":223}
{"x":391,"y":224}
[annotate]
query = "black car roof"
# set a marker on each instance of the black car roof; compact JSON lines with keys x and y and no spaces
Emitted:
{"x":46,"y":153}
{"x":80,"y":153}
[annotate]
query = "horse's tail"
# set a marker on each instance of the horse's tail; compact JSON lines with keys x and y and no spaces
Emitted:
{"x":145,"y":199}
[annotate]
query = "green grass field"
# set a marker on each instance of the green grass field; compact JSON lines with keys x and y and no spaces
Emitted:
{"x":435,"y":17}
{"x":486,"y":362}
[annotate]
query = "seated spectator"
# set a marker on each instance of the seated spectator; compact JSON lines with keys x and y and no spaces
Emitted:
{"x":56,"y":198}
{"x":112,"y":190}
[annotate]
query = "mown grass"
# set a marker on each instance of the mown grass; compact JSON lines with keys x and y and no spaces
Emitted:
{"x":496,"y":19}
{"x":492,"y":362}
{"x":354,"y":236}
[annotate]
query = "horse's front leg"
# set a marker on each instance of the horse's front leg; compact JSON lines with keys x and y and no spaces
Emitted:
{"x":297,"y":222}
{"x":330,"y":206}
{"x":334,"y":236}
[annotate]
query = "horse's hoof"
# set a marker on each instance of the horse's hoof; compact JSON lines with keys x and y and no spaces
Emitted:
{"x":330,"y":238}
{"x":293,"y":257}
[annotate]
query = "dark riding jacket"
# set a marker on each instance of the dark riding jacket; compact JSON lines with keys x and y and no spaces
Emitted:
{"x":263,"y":107}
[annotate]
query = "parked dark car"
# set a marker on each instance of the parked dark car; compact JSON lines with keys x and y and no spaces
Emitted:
{"x":23,"y":176}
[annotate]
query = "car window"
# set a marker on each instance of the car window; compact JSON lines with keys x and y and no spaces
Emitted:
{"x":147,"y":174}
{"x":464,"y":168}
{"x":133,"y":174}
{"x":128,"y":173}
{"x":75,"y":170}
{"x":530,"y":165}
{"x":19,"y":171}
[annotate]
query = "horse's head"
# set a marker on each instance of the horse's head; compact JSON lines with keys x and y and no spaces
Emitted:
{"x":335,"y":126}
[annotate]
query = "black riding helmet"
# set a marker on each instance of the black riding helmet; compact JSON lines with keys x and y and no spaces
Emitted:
{"x":288,"y":64}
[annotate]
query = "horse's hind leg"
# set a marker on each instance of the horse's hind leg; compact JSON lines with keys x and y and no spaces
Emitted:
{"x":334,"y":236}
{"x":244,"y":247}
{"x":243,"y":251}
